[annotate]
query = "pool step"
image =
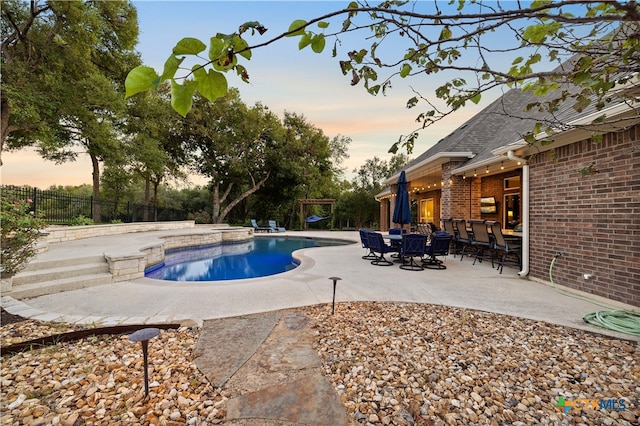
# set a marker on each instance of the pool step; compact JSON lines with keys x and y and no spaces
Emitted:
{"x":42,"y":278}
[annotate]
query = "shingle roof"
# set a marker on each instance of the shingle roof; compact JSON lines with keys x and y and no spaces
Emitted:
{"x":504,"y":122}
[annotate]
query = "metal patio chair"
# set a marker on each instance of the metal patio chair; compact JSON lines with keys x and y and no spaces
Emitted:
{"x":412,"y":246}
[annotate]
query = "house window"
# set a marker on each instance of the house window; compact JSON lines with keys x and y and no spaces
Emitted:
{"x":426,"y":210}
{"x":512,"y":182}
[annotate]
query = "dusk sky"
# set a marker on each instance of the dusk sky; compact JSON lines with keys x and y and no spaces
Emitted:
{"x":282,"y":78}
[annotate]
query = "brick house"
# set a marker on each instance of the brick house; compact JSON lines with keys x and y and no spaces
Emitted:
{"x":574,"y":196}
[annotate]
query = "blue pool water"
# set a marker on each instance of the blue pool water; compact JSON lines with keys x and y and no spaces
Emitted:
{"x":259,"y":257}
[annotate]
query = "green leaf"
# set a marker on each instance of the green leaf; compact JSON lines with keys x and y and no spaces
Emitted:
{"x":318,"y":43}
{"x":189,"y":46}
{"x":182,"y":96}
{"x":254,"y":26}
{"x":412,"y":102}
{"x":170,"y":67}
{"x":242,"y":72}
{"x":445,"y":34}
{"x":299,"y":25}
{"x":212,"y":85}
{"x":140,"y":79}
{"x":405,"y":70}
{"x":305,"y":40}
{"x":323,"y":24}
{"x":216,"y":48}
{"x":239,"y":45}
{"x":476,"y":98}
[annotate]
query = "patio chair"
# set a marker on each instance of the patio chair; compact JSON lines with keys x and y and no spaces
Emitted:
{"x":257,"y":228}
{"x":440,"y":243}
{"x":412,"y":246}
{"x":481,"y":241}
{"x":364,"y":239}
{"x":396,"y":243}
{"x":426,"y":229}
{"x":379,"y":248}
{"x":463,"y":240}
{"x":508,"y":248}
{"x":274,"y":225}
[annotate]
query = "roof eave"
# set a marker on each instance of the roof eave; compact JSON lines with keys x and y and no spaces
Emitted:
{"x":435,"y":158}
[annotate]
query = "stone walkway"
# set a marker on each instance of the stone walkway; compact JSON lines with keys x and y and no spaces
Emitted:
{"x":268,"y":360}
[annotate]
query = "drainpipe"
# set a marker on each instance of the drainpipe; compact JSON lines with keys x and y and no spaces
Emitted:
{"x":525,"y":213}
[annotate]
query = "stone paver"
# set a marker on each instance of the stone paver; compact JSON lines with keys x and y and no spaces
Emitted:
{"x":268,"y":365}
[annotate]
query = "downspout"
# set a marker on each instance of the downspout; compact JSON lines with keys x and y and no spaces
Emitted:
{"x":525,"y":213}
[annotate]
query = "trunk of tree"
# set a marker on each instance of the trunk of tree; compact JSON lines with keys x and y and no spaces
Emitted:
{"x":218,"y":214}
{"x":145,"y":211}
{"x":5,"y":110}
{"x":155,"y":200}
{"x":215,"y":203}
{"x":96,"y":188}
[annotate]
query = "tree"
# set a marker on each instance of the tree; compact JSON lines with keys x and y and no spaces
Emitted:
{"x":152,"y":153}
{"x":232,"y":145}
{"x":358,"y":208}
{"x":63,"y":67}
{"x":307,"y":167}
{"x":602,"y":37}
{"x":371,"y":175}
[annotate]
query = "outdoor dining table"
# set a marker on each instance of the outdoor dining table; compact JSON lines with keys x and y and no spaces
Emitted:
{"x":511,"y":233}
{"x":393,"y":238}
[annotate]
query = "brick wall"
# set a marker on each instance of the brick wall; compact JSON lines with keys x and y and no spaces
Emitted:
{"x":455,"y":200}
{"x":593,"y":220}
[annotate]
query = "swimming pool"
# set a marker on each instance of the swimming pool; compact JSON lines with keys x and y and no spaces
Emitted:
{"x":259,"y":257}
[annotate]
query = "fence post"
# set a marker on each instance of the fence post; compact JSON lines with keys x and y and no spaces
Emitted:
{"x":34,"y":202}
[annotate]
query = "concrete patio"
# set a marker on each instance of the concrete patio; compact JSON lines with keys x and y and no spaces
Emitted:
{"x":146,"y":300}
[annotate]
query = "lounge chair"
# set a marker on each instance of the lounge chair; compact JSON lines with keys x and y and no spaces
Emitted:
{"x":257,"y":228}
{"x":274,"y":225}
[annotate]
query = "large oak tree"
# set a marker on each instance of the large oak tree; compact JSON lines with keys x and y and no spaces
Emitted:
{"x":63,"y":65}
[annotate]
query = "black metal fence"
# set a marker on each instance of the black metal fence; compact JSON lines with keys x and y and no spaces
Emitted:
{"x":61,"y":208}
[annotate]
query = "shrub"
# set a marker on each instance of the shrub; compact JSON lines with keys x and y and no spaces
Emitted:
{"x":81,"y":221}
{"x":20,"y":231}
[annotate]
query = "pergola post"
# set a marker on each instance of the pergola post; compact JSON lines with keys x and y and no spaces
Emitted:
{"x":315,"y":201}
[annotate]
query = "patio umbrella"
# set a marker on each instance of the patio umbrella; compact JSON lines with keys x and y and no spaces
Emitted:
{"x":402,"y":209}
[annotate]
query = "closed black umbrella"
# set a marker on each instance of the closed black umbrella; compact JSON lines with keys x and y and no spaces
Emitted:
{"x":402,"y":210}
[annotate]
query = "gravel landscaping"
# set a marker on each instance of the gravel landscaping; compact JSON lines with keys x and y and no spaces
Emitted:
{"x":391,"y":363}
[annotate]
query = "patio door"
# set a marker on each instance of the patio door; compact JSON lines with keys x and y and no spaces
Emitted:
{"x":426,"y":210}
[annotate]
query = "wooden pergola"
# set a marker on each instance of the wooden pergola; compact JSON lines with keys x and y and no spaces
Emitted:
{"x":314,"y":202}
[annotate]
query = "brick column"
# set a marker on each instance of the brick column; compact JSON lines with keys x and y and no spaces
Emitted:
{"x":455,"y":194}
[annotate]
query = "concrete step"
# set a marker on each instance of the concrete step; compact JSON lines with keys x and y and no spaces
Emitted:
{"x":25,"y":291}
{"x":36,"y":265}
{"x":46,"y":275}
